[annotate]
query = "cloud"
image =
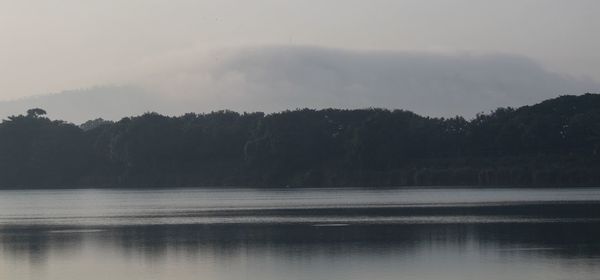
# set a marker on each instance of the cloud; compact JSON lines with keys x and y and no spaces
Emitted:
{"x":436,"y":84}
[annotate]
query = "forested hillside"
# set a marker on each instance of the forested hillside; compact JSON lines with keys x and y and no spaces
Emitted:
{"x":554,"y":143}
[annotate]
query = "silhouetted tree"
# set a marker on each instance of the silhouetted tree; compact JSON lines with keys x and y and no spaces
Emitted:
{"x":36,"y":112}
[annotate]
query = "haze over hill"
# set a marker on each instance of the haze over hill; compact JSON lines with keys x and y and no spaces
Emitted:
{"x":276,"y":78}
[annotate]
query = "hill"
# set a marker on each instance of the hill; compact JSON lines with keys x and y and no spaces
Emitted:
{"x":553,"y":143}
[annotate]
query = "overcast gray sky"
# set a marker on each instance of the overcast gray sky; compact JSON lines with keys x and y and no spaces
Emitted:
{"x":51,"y":46}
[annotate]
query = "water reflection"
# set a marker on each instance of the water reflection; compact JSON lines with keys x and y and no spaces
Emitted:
{"x":340,"y":252}
{"x":191,"y":234}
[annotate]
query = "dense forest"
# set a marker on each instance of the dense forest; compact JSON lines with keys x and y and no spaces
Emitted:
{"x":554,"y":143}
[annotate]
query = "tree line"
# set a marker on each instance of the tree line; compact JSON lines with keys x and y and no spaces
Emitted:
{"x":553,"y":143}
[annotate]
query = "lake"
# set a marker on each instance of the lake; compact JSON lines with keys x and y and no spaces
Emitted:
{"x":295,"y":234}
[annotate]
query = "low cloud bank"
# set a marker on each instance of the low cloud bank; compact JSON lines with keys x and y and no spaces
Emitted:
{"x":278,"y":78}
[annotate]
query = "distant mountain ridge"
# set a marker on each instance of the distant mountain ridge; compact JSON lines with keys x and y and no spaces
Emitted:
{"x":108,"y":102}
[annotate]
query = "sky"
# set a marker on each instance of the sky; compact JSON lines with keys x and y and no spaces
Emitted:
{"x":53,"y":46}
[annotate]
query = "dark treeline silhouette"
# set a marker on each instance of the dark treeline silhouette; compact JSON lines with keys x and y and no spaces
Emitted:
{"x":556,"y":142}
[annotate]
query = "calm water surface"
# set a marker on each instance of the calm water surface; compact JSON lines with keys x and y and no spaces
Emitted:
{"x":300,"y":234}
